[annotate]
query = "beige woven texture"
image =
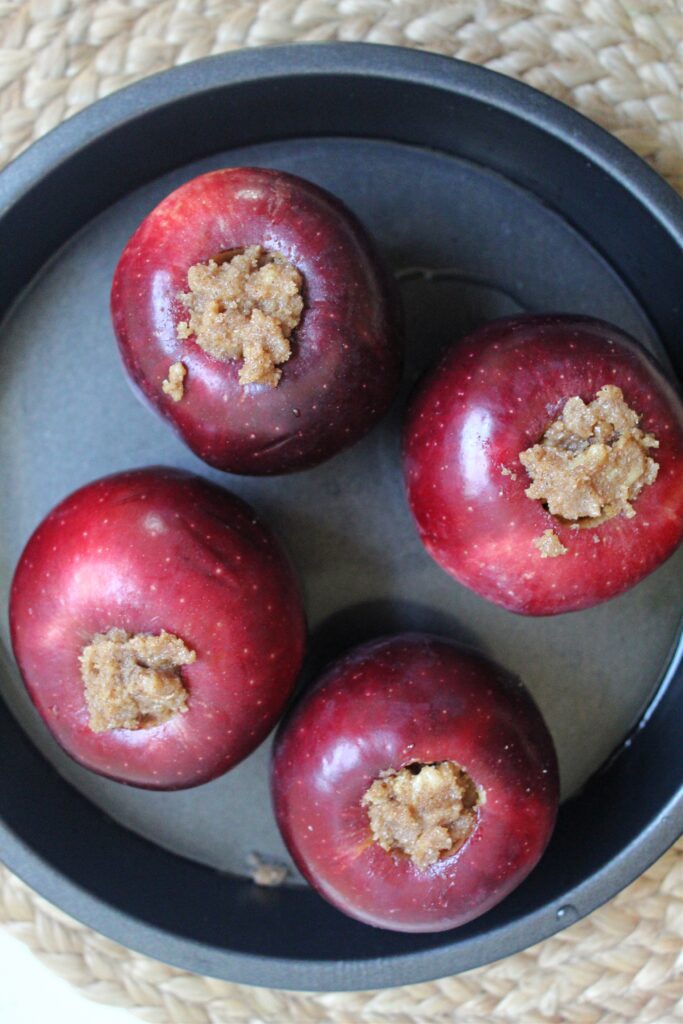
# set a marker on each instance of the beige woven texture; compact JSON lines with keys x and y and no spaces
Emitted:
{"x":621,"y":64}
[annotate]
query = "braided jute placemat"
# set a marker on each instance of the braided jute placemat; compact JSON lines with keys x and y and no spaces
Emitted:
{"x":621,"y":64}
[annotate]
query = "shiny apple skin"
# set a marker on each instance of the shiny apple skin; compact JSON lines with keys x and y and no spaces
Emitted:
{"x":414,"y":698}
{"x":347,"y":350}
{"x":493,"y":395}
{"x":144,"y":551}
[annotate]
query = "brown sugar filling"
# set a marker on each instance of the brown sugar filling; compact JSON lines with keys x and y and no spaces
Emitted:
{"x":133,"y":681}
{"x":174,"y":385}
{"x":244,"y":304}
{"x":424,"y":811}
{"x":549,"y":545}
{"x":266,"y":872}
{"x":593,"y":461}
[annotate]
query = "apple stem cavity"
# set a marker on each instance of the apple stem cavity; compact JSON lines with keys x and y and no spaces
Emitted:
{"x":134,"y":681}
{"x":244,"y":303}
{"x":426,"y":812}
{"x":592,"y":461}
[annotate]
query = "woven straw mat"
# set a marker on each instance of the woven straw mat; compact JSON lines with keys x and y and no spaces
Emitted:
{"x":621,"y":64}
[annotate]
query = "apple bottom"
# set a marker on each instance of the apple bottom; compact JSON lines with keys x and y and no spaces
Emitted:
{"x":387,"y":891}
{"x":188,"y":750}
{"x":414,"y":700}
{"x":504,"y":566}
{"x":236,"y":689}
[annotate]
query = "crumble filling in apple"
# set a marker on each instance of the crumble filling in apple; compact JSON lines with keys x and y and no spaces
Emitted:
{"x":174,"y":385}
{"x":244,"y":304}
{"x":592,"y":461}
{"x":425,"y":811}
{"x":133,"y":681}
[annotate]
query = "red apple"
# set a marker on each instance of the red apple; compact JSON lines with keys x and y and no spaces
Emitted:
{"x":346,"y":350}
{"x":414,"y":700}
{"x":492,"y":396}
{"x":144,"y":552}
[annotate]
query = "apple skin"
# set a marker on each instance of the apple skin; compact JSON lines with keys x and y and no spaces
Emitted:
{"x":346,"y":361}
{"x":493,"y":395}
{"x":144,"y":551}
{"x":413,"y":698}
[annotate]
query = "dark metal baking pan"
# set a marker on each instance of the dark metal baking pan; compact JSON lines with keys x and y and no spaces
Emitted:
{"x":486,"y":198}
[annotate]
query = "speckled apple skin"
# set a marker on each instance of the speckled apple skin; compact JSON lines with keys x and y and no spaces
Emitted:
{"x":387,"y":704}
{"x":144,"y":551}
{"x":492,"y":396}
{"x":346,"y":351}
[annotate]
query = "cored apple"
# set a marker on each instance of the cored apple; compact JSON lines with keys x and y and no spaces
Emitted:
{"x":416,"y":784}
{"x":158,"y":628}
{"x":253,"y":313}
{"x":543,"y":460}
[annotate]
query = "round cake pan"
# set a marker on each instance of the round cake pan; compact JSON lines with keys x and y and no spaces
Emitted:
{"x":486,"y":198}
